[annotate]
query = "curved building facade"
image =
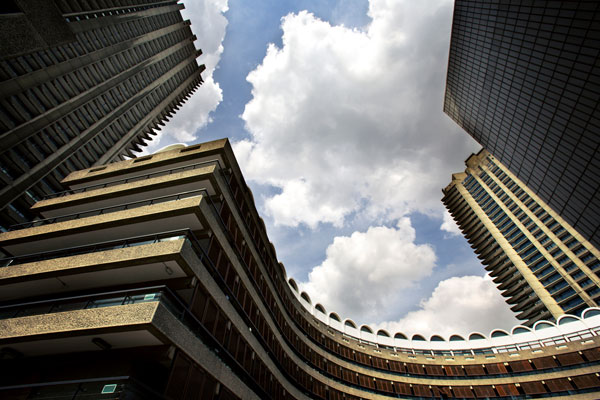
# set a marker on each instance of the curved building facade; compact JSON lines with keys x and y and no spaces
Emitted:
{"x":154,"y":278}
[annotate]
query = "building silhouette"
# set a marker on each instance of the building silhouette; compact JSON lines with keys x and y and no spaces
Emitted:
{"x":83,"y":83}
{"x":543,"y":266}
{"x":154,"y":278}
{"x":524,"y":81}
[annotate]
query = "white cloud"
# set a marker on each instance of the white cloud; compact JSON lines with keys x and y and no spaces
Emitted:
{"x":449,"y":225}
{"x":364,"y":273}
{"x":457,"y":305}
{"x":209,"y":25}
{"x":349,"y":122}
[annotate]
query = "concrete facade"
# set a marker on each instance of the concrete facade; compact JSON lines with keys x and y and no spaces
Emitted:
{"x":172,"y":291}
{"x":84,"y":83}
{"x":542,"y":265}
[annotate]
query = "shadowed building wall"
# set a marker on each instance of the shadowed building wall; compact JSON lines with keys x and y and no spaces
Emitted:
{"x":524,"y":81}
{"x":84,"y":83}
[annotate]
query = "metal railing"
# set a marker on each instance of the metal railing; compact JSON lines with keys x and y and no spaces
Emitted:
{"x":95,"y":247}
{"x":109,"y":209}
{"x":83,"y":302}
{"x":135,"y":178}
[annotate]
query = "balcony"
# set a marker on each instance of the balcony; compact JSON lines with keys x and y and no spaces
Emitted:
{"x":128,"y":261}
{"x":162,"y":183}
{"x":178,"y":212}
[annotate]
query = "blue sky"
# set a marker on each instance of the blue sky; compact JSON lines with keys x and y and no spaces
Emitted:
{"x":334,"y":111}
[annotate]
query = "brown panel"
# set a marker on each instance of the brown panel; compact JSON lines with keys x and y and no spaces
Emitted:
{"x":507,"y":390}
{"x":533,"y":387}
{"x":520,"y":366}
{"x":335,"y":395}
{"x":484,"y":391}
{"x":454,"y":370}
{"x":366,"y":381}
{"x":416,"y":369}
{"x":379,"y":363}
{"x":463,"y":391}
{"x":403,"y":388}
{"x":592,"y":354}
{"x":363,"y":358}
{"x":346,"y":352}
{"x":422,"y":390}
{"x":333,"y":369}
{"x":494,"y":369}
{"x":544,"y":362}
{"x":559,"y":385}
{"x":385,"y":386}
{"x":397,"y":366}
{"x":318,"y":389}
{"x":348,"y":376}
{"x":570,"y":359}
{"x":442,"y":392}
{"x":586,"y":381}
{"x":473,"y":370}
{"x":434,"y":370}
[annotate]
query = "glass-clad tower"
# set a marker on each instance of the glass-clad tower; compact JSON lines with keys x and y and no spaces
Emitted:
{"x":83,"y":83}
{"x":543,"y":266}
{"x":524,"y":81}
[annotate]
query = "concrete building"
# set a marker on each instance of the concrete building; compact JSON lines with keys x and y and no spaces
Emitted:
{"x":83,"y":83}
{"x":154,"y":278}
{"x":543,"y":266}
{"x":524,"y":81}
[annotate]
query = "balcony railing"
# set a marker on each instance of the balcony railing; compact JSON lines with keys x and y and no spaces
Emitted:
{"x":95,"y":247}
{"x":107,"y":210}
{"x":135,"y":178}
{"x":84,"y":302}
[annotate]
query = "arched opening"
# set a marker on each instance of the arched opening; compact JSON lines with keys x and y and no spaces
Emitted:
{"x":543,"y":325}
{"x":334,"y":316}
{"x":366,"y":328}
{"x":592,"y":312}
{"x":476,"y":336}
{"x":381,"y":332}
{"x":520,"y":329}
{"x":456,"y":338}
{"x":292,"y":283}
{"x":418,"y":338}
{"x":350,"y":323}
{"x":320,"y":308}
{"x":437,"y":338}
{"x":567,"y":319}
{"x":400,"y":335}
{"x":499,"y":333}
{"x":305,"y":297}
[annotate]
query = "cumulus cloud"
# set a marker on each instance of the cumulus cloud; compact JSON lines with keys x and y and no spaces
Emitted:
{"x":349,"y":122}
{"x":449,"y":225}
{"x":457,"y":305}
{"x":364,"y":273}
{"x":209,"y":25}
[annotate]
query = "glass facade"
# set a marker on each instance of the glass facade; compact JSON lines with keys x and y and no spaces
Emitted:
{"x":524,"y":81}
{"x":542,"y":265}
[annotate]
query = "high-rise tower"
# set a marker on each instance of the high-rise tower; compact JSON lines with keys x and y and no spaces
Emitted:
{"x":524,"y":81}
{"x":543,"y":266}
{"x":84,"y":83}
